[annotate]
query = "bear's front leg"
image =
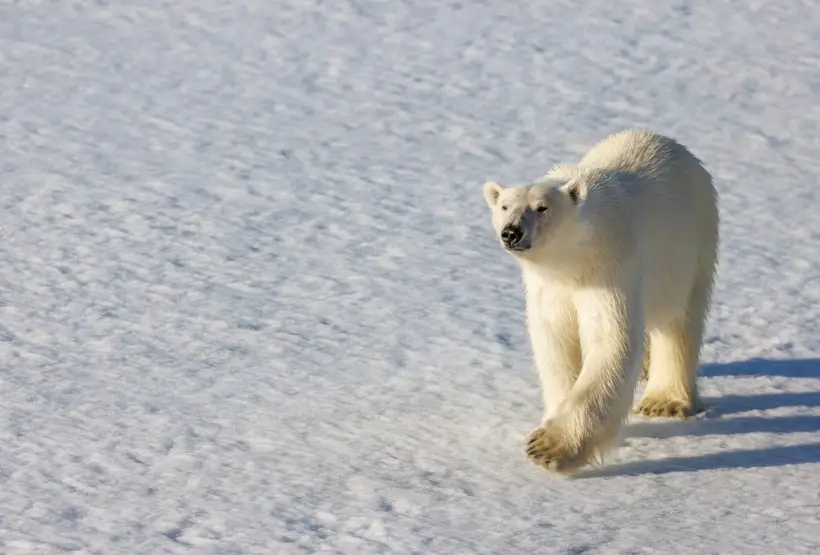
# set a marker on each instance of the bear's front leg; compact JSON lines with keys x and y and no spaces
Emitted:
{"x":611,"y":333}
{"x":553,"y":331}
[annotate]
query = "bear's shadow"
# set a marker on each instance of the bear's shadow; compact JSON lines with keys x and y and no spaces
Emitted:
{"x":712,"y":424}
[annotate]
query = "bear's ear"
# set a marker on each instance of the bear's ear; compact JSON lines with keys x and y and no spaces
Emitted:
{"x":491,"y":192}
{"x":575,"y":190}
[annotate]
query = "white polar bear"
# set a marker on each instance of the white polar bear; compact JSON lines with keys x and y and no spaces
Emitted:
{"x":618,"y":254}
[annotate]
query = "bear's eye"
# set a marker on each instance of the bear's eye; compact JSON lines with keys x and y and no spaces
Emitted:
{"x":503,"y":207}
{"x":541,"y":208}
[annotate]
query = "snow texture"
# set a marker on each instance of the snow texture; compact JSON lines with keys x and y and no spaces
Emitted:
{"x":250,"y":300}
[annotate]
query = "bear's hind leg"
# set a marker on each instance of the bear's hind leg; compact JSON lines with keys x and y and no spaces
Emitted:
{"x":671,"y":390}
{"x":646,"y":359}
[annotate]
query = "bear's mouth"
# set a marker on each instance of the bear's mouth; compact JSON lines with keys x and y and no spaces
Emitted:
{"x":518,"y":248}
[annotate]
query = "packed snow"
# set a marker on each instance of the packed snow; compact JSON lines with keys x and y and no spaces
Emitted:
{"x":251,"y":303}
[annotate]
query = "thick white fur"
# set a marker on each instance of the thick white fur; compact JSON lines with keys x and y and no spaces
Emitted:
{"x":623,"y":256}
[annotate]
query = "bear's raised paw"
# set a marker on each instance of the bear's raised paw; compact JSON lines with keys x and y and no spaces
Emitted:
{"x":548,"y":448}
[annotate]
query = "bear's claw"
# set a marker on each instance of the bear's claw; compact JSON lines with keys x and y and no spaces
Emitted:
{"x":665,"y":408}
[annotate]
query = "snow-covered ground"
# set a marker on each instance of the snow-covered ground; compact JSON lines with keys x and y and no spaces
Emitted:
{"x":250,"y":302}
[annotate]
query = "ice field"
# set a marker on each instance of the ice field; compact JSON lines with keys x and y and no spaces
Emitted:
{"x":251,"y":303}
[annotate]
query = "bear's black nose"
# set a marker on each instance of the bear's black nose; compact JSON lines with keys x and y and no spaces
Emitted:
{"x":511,"y":235}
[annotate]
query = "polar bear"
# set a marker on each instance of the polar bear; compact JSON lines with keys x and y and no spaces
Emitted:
{"x":618,"y":254}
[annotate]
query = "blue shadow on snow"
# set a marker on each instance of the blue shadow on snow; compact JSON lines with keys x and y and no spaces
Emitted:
{"x":713,"y":424}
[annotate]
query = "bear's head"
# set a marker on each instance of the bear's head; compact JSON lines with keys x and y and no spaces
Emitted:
{"x":533,"y":219}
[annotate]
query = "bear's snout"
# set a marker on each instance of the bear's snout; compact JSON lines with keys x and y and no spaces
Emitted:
{"x":511,"y":235}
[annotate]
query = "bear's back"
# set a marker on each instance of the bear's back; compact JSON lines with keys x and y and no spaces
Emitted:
{"x":641,"y":152}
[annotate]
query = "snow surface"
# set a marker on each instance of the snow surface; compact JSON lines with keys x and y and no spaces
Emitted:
{"x":250,"y":302}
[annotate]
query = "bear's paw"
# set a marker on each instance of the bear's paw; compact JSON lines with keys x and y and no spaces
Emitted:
{"x":665,"y":407}
{"x":550,"y":447}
